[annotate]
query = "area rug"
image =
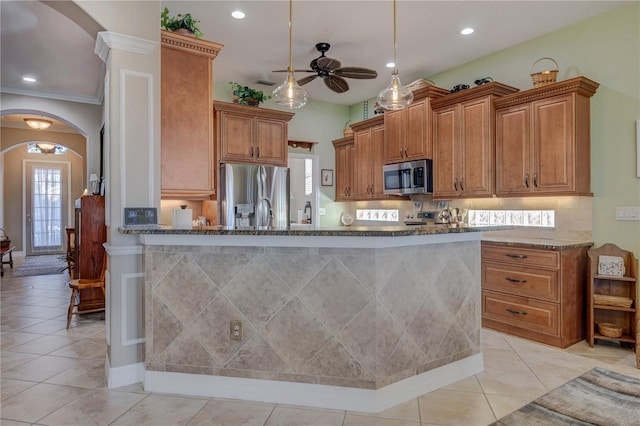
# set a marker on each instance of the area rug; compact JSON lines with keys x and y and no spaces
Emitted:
{"x":599,"y":397}
{"x":41,"y":265}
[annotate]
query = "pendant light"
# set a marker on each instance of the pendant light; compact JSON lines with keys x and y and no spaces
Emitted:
{"x":289,"y":94}
{"x":395,"y":96}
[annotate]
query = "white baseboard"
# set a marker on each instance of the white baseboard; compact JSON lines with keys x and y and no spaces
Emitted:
{"x":313,"y":395}
{"x":125,"y":375}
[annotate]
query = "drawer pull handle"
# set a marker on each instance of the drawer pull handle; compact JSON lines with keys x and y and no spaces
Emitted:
{"x":515,"y":280}
{"x":516,"y":256}
{"x":515,"y":312}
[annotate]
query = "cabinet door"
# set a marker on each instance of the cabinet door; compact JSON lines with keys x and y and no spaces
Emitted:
{"x":270,"y":146}
{"x":187,"y":149}
{"x":344,"y":170}
{"x":235,"y":134}
{"x":513,"y":151}
{"x":362,"y":150}
{"x":394,"y":136}
{"x":377,"y":161}
{"x":476,"y":148}
{"x":553,"y":144}
{"x":416,"y":140}
{"x":445,"y":155}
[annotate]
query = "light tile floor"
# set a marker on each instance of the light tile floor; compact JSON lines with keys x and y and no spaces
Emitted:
{"x":54,"y":376}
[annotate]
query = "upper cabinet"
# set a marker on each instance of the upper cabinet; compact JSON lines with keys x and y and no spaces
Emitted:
{"x":187,"y":151}
{"x":247,"y":134}
{"x":368,"y":158}
{"x":344,"y":168}
{"x":543,"y":140}
{"x":463,"y":132}
{"x":407,"y":132}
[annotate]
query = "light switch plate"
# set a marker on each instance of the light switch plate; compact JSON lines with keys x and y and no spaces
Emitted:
{"x":627,"y":213}
{"x":322,"y":211}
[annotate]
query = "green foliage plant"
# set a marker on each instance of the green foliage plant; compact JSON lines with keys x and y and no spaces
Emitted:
{"x":172,"y":23}
{"x":245,"y":94}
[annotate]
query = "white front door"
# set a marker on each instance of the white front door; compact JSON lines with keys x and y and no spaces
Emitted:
{"x":46,"y":206}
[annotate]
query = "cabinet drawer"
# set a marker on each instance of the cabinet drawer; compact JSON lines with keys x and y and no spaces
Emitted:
{"x":528,"y":282}
{"x":521,"y":312}
{"x":521,"y":256}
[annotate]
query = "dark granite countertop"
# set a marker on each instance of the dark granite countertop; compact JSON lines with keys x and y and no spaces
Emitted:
{"x":338,"y":231}
{"x":543,"y":243}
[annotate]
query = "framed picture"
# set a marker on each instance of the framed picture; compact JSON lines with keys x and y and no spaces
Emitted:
{"x":327,"y":177}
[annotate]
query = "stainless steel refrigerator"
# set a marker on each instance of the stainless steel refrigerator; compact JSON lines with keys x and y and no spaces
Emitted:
{"x":253,"y":196}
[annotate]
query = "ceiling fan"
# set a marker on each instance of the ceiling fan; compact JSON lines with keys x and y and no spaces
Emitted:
{"x":332,"y":71}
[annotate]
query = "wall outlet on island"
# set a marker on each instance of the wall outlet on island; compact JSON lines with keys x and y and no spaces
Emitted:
{"x":236,"y":330}
{"x":322,"y":211}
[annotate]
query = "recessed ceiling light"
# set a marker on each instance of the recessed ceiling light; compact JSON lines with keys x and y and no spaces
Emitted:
{"x":29,"y":79}
{"x":466,"y":31}
{"x":238,"y":14}
{"x":391,"y":64}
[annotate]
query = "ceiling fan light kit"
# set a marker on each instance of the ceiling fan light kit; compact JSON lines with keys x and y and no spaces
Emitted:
{"x":395,"y":96}
{"x":289,"y":94}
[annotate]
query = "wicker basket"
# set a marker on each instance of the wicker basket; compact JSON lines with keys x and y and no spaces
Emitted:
{"x":608,"y":329}
{"x":543,"y":78}
{"x":619,"y":301}
{"x":5,"y":241}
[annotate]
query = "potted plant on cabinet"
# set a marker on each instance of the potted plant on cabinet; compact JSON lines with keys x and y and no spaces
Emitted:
{"x":182,"y":24}
{"x":247,"y":96}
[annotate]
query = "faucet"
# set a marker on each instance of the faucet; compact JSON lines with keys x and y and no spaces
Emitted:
{"x":308,"y":215}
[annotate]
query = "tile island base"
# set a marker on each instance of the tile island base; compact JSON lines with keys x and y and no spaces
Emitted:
{"x":349,"y":323}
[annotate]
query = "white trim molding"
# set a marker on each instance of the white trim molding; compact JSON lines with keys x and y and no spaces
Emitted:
{"x":125,"y":281}
{"x":107,"y":40}
{"x":123,"y":376}
{"x":314,"y":395}
{"x":123,"y":250}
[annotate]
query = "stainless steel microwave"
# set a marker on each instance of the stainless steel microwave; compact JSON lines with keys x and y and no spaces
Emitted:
{"x":412,"y":177}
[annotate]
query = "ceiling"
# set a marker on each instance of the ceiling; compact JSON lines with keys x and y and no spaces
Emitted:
{"x":37,"y":40}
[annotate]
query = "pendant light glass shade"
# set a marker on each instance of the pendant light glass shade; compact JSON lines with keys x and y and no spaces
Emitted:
{"x":395,"y":96}
{"x":289,"y":94}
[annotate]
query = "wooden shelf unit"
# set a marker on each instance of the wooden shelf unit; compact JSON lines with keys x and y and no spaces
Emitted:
{"x":624,"y":286}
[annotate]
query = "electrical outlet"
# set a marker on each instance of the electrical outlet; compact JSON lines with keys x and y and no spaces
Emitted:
{"x":236,"y":330}
{"x":322,"y":211}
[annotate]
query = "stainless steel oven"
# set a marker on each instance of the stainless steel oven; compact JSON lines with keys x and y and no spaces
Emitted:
{"x":412,"y":177}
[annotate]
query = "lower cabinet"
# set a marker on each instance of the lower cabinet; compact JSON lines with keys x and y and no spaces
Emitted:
{"x":535,"y":293}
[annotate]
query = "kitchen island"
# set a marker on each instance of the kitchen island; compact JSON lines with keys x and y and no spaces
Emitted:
{"x":351,"y":318}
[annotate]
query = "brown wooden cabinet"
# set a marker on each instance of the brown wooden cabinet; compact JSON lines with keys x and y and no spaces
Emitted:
{"x":625,"y":286}
{"x":90,"y":234}
{"x":187,"y":152}
{"x":247,"y":134}
{"x":368,"y":158}
{"x":344,"y":168}
{"x":407,"y":132}
{"x":463,"y":134}
{"x":535,"y":293}
{"x":543,"y":140}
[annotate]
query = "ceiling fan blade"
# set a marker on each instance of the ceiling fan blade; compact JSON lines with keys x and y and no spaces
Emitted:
{"x":337,"y":84}
{"x":328,"y":63}
{"x":306,"y":80}
{"x":293,"y":71}
{"x":355,"y":72}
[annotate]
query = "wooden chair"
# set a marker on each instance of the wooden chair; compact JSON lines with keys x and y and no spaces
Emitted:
{"x":83,"y":284}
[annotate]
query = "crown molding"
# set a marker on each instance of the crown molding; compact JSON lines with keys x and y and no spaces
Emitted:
{"x":107,"y":40}
{"x":49,"y":95}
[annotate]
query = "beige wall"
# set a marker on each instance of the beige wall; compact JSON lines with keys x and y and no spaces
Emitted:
{"x":14,"y":148}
